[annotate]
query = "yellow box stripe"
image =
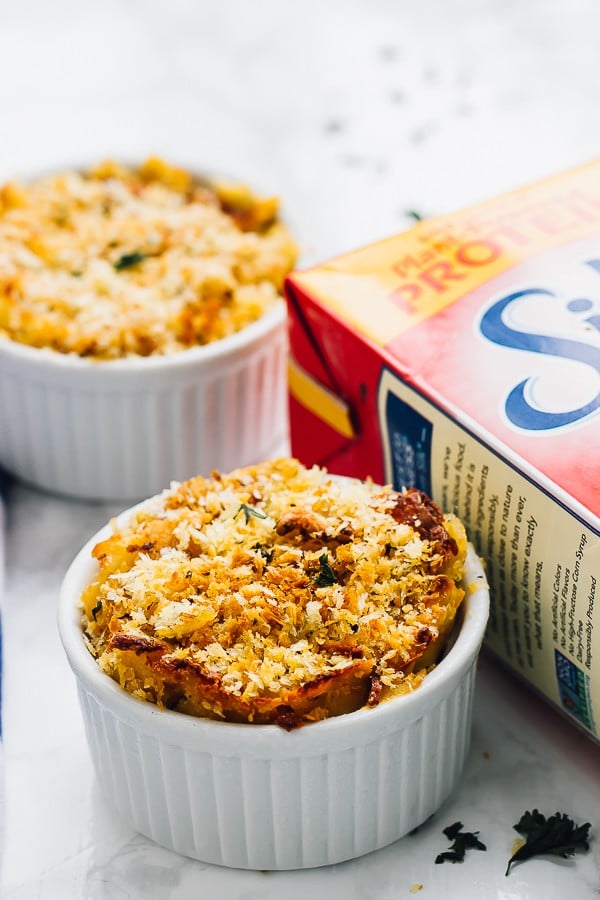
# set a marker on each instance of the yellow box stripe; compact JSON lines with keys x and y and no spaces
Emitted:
{"x":319,"y":400}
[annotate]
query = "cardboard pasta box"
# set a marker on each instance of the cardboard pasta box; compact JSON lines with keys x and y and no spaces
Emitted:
{"x":463,"y":357}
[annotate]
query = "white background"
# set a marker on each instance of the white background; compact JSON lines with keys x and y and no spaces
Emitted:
{"x":355,"y":112}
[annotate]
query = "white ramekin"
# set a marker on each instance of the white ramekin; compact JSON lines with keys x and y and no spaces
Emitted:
{"x":259,"y":797}
{"x":124,"y":429}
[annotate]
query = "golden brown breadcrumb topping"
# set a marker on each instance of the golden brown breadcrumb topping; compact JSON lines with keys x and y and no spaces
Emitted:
{"x":275,"y":594}
{"x":117,"y":261}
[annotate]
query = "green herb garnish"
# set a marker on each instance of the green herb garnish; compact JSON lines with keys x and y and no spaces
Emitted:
{"x":250,"y":511}
{"x":558,"y":836}
{"x":326,"y":576}
{"x":265,"y":552}
{"x":461,"y":842}
{"x":129,"y":260}
{"x":96,"y":609}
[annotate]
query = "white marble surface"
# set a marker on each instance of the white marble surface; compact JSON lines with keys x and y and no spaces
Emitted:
{"x":355,"y":112}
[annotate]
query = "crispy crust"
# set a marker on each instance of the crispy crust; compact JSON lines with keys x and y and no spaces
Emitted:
{"x":120,"y":261}
{"x":275,"y":594}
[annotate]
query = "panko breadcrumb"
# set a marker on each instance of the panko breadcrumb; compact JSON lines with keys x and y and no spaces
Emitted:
{"x":117,"y":261}
{"x":275,"y":594}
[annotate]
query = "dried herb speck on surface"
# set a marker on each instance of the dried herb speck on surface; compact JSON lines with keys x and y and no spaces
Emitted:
{"x":557,"y":835}
{"x":461,"y":842}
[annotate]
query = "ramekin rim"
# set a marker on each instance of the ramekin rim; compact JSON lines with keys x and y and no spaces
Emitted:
{"x":198,"y":355}
{"x":464,"y":650}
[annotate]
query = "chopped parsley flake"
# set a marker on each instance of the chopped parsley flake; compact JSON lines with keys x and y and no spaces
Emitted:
{"x":129,"y":260}
{"x":250,"y":511}
{"x":266,"y":554}
{"x":96,"y":609}
{"x":326,"y":576}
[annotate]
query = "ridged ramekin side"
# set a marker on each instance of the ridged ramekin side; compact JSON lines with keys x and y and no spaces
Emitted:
{"x":125,"y":433}
{"x":281,"y":813}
